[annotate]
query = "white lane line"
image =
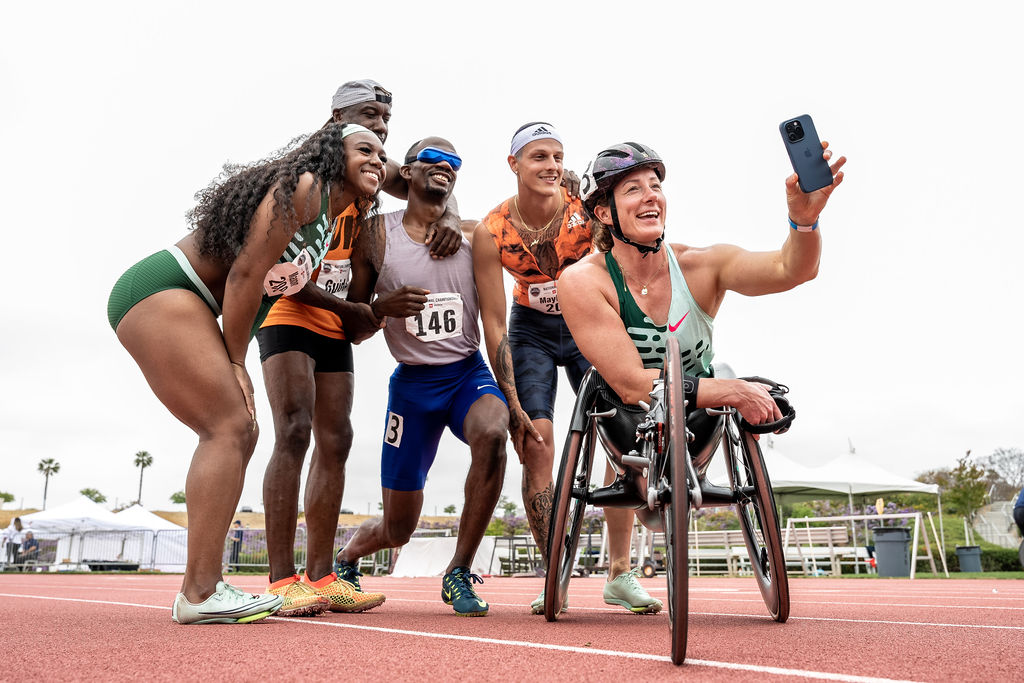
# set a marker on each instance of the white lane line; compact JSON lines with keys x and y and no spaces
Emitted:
{"x":801,"y":673}
{"x":616,"y":610}
{"x":879,"y":604}
{"x":595,"y":609}
{"x":867,"y":621}
{"x":94,"y":602}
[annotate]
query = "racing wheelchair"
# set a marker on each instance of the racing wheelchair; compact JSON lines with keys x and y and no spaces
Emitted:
{"x":660,"y":457}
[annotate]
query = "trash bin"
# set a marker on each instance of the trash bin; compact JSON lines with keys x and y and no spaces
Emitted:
{"x":892,"y":550}
{"x":969,"y":557}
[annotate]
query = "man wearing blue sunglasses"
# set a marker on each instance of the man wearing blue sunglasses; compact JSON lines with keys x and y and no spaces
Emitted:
{"x":441,"y":379}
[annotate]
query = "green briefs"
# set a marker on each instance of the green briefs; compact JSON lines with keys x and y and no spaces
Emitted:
{"x":167,"y":269}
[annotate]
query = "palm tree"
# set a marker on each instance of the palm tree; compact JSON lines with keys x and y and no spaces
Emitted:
{"x":142,"y":460}
{"x":49,"y":467}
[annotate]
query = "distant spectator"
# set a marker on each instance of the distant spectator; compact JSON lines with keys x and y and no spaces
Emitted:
{"x":29,"y":548}
{"x":236,"y":545}
{"x":12,"y":540}
{"x":1018,"y":512}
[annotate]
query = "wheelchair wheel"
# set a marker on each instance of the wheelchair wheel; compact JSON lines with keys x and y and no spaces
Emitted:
{"x":568,"y":506}
{"x":758,"y":519}
{"x":676,"y":510}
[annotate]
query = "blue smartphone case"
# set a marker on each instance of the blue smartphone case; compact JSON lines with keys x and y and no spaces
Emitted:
{"x":805,"y":155}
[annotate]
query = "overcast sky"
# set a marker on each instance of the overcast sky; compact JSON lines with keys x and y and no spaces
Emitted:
{"x":907,"y":344}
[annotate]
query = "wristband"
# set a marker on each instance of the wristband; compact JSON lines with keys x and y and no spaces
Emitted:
{"x":803,"y":228}
{"x":690,"y":384}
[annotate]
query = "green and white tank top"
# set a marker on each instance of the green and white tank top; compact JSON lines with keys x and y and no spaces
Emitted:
{"x":687,"y":322}
{"x":301,"y":257}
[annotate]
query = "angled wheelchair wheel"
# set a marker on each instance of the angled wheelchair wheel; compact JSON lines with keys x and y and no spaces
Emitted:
{"x":568,"y":506}
{"x":675,"y":510}
{"x":758,"y":519}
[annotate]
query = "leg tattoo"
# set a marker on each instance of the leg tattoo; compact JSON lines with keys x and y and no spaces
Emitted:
{"x":538,"y":512}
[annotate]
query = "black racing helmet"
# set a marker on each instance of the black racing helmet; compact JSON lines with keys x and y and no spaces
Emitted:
{"x":610,"y":165}
{"x":607,"y":168}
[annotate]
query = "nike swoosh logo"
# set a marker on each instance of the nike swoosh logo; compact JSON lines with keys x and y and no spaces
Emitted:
{"x":485,"y":385}
{"x":673,"y":328}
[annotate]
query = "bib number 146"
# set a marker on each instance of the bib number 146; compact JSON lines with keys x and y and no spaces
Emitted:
{"x":441,"y":318}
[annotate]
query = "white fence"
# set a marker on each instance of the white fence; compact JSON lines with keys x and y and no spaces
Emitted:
{"x":165,"y":551}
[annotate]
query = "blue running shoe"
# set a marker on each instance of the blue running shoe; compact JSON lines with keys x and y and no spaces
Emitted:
{"x":347,"y":571}
{"x":457,"y":591}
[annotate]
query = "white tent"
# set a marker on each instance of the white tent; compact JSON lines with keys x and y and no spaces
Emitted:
{"x":166,"y":549}
{"x":140,"y":516}
{"x":847,"y":477}
{"x":87,"y":533}
{"x":80,"y":514}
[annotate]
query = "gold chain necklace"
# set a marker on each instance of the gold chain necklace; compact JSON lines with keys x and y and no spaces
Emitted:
{"x":558,"y":211}
{"x":643,"y":285}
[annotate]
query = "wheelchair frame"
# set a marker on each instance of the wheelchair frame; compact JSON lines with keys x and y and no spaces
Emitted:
{"x":649,"y":481}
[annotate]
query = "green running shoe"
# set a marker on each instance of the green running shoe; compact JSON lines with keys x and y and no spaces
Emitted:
{"x":537,"y":606}
{"x":457,"y":591}
{"x":625,"y":590}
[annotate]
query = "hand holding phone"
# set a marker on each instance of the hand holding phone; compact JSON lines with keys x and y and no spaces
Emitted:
{"x":805,"y":153}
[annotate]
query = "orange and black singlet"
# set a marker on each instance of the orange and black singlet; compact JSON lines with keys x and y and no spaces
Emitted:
{"x":536,"y":268}
{"x":333,"y":275}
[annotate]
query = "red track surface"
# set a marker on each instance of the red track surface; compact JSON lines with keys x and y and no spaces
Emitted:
{"x":114,"y":627}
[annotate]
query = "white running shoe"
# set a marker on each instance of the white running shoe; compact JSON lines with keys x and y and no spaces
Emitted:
{"x":227,"y":605}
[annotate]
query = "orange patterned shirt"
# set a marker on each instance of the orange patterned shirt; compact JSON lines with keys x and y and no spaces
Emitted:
{"x":333,"y":275}
{"x":531,"y":265}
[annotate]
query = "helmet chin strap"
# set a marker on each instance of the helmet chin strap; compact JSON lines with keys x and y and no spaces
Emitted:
{"x":644,"y":249}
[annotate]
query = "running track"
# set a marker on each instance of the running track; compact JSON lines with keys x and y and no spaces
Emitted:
{"x":118,"y":627}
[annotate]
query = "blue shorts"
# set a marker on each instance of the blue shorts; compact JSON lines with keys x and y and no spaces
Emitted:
{"x":540,"y":343}
{"x":422,"y":401}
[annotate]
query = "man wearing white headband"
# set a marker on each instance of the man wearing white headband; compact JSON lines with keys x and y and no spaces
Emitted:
{"x":305,"y":348}
{"x":535,"y":235}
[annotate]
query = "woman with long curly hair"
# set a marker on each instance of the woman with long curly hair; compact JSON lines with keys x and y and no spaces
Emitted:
{"x":258,"y":234}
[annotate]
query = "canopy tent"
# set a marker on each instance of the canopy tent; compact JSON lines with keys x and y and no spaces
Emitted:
{"x":166,"y":549}
{"x":847,"y":476}
{"x":80,"y":514}
{"x":140,"y":516}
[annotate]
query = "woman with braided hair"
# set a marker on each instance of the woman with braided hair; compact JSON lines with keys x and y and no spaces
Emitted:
{"x":258,"y":234}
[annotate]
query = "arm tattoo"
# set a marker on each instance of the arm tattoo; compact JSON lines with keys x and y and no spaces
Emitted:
{"x":503,"y":370}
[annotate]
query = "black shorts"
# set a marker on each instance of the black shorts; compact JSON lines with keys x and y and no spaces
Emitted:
{"x":329,"y":355}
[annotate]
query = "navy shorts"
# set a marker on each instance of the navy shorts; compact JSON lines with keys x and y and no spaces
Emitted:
{"x":422,"y":401}
{"x":328,"y":354}
{"x":540,"y":344}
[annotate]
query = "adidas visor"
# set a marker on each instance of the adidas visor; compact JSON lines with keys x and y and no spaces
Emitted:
{"x":433,"y":155}
{"x":533,"y":131}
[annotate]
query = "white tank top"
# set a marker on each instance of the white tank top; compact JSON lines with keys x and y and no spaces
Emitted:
{"x":447,"y":330}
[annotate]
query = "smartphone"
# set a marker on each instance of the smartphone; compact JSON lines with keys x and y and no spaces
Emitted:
{"x":805,"y":153}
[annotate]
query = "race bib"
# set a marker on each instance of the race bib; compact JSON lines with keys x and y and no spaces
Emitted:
{"x":335,"y":277}
{"x":288,"y":278}
{"x":441,"y":318}
{"x":544,"y":297}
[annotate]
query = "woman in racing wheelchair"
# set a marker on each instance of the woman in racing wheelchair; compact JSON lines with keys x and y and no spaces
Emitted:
{"x":625,"y":299}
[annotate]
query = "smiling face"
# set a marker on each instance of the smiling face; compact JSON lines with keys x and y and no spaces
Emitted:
{"x":435,"y":179}
{"x":640,"y":204}
{"x":372,"y":115}
{"x":364,"y":167}
{"x":539,"y":166}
